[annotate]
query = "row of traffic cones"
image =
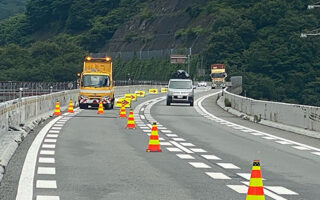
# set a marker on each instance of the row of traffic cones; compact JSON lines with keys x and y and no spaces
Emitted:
{"x":57,"y":111}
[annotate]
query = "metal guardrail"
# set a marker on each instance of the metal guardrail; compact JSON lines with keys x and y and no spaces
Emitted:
{"x":13,"y":90}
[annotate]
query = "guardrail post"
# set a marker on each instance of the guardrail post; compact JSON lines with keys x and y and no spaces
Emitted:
{"x":20,"y":93}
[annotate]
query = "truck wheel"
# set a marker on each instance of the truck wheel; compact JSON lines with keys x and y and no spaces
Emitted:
{"x":168,"y":103}
{"x":108,"y":106}
{"x":191,"y":103}
{"x":83,"y":106}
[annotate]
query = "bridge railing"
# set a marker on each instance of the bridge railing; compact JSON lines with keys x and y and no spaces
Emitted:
{"x":301,"y":116}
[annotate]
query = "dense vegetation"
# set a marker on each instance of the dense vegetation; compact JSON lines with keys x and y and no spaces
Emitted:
{"x":11,"y":7}
{"x":259,"y":40}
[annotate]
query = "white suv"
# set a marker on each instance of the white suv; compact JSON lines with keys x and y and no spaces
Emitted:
{"x":180,"y":91}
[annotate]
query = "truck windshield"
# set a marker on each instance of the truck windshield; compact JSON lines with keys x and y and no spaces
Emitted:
{"x":180,"y":85}
{"x":218,"y":75}
{"x":95,"y":81}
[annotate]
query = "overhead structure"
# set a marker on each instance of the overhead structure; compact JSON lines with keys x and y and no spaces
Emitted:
{"x":315,"y":32}
{"x":313,"y":6}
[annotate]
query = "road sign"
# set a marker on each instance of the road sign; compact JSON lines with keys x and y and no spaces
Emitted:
{"x":178,"y":59}
{"x":153,"y":91}
{"x":133,"y":97}
{"x":164,"y":90}
{"x":140,"y":93}
{"x":124,"y":101}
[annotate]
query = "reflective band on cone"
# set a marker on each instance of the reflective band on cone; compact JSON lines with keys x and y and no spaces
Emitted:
{"x":70,"y":107}
{"x":123,"y":113}
{"x":57,"y":109}
{"x":154,"y":144}
{"x":255,"y":190}
{"x":130,"y":123}
{"x":100,"y":109}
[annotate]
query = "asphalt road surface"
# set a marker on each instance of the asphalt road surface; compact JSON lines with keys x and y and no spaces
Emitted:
{"x":206,"y":154}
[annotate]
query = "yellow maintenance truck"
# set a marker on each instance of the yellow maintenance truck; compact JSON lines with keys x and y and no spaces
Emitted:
{"x":218,"y":75}
{"x":96,"y":83}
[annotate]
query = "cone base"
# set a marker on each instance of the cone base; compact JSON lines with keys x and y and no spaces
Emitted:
{"x":56,"y":114}
{"x":130,"y":127}
{"x":70,"y":111}
{"x":100,"y":112}
{"x":153,"y":150}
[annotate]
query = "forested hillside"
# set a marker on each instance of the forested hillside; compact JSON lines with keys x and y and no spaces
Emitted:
{"x":11,"y":7}
{"x":259,"y":40}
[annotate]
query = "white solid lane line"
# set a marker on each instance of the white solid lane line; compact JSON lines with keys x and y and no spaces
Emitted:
{"x":47,"y":184}
{"x":47,"y":170}
{"x":41,"y":197}
{"x":301,"y":148}
{"x":218,"y":175}
{"x":25,"y":188}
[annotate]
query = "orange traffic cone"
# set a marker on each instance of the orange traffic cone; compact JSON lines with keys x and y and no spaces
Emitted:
{"x":255,"y":190}
{"x":70,"y":107}
{"x":130,"y":123}
{"x":100,"y":109}
{"x":122,"y":113}
{"x":154,"y":145}
{"x":57,"y":109}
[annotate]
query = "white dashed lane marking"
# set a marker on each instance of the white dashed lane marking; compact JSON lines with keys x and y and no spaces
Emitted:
{"x":185,"y":156}
{"x":48,"y":146}
{"x":218,"y":175}
{"x":211,"y":157}
{"x":199,"y":165}
{"x":47,"y":170}
{"x":47,"y":184}
{"x":50,"y":140}
{"x":47,"y":152}
{"x":41,"y":197}
{"x":46,"y":160}
{"x":228,"y":165}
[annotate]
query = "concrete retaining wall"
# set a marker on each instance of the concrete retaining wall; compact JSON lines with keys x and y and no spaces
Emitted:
{"x":301,"y":116}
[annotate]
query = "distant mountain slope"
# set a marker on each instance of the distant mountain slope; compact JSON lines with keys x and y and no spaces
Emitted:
{"x":11,"y":7}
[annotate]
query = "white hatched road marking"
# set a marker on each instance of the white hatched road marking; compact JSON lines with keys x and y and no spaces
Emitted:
{"x":47,"y":152}
{"x":25,"y":188}
{"x":211,"y":157}
{"x":166,"y":131}
{"x":52,"y":135}
{"x":165,"y":144}
{"x":48,"y":184}
{"x":316,"y":153}
{"x":147,"y":131}
{"x":267,"y":192}
{"x":218,"y":175}
{"x":228,"y":165}
{"x":181,"y":147}
{"x":50,"y":140}
{"x":47,"y":170}
{"x":59,"y":125}
{"x":144,"y":127}
{"x":187,"y":144}
{"x":281,"y":190}
{"x":242,"y":189}
{"x":198,"y":150}
{"x":173,"y":149}
{"x":56,"y":128}
{"x":172,"y":135}
{"x":283,"y":142}
{"x":246,"y":176}
{"x":269,"y":138}
{"x":41,"y":197}
{"x":161,"y":139}
{"x":161,"y":128}
{"x":142,"y":109}
{"x":185,"y":156}
{"x":142,"y":117}
{"x":178,"y":139}
{"x":199,"y":165}
{"x":46,"y":160}
{"x":149,"y":125}
{"x":301,"y":148}
{"x":48,"y":146}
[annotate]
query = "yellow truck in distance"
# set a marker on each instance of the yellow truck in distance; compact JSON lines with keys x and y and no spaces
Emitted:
{"x":96,"y":83}
{"x":218,"y":75}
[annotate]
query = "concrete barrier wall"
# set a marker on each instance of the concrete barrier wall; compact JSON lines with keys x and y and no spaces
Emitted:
{"x":301,"y":116}
{"x":16,"y":113}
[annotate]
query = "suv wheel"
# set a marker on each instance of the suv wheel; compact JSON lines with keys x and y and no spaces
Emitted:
{"x":168,"y":102}
{"x":191,"y":103}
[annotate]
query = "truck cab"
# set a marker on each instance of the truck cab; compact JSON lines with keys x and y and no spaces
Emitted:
{"x":96,"y":83}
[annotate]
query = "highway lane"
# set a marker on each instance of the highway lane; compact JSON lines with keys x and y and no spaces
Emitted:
{"x":94,"y":157}
{"x":295,"y":170}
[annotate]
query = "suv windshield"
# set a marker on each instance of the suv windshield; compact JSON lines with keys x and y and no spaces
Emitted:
{"x":95,"y":81}
{"x":180,"y":84}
